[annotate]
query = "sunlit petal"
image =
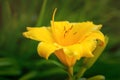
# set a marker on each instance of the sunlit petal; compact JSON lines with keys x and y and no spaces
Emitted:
{"x":66,"y":33}
{"x":96,"y":35}
{"x":39,"y":34}
{"x":79,"y":50}
{"x":58,"y":30}
{"x":65,"y":59}
{"x":80,"y":30}
{"x":46,"y":49}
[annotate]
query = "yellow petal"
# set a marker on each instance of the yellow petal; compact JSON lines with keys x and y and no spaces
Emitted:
{"x":88,"y":47}
{"x":66,"y":33}
{"x":58,"y":31}
{"x":46,"y":49}
{"x":89,"y":43}
{"x":80,"y":30}
{"x":65,"y":59}
{"x":95,"y":35}
{"x":39,"y":34}
{"x":79,"y":50}
{"x":68,"y":55}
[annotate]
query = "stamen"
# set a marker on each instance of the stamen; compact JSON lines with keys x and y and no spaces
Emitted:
{"x":66,"y":31}
{"x":54,"y":14}
{"x":64,"y":28}
{"x":70,"y":28}
{"x":64,"y":35}
{"x":74,"y":33}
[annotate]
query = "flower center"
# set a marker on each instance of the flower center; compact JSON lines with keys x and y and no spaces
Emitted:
{"x":69,"y":36}
{"x":66,"y":31}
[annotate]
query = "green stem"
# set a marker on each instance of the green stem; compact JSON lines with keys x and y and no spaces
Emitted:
{"x":41,"y":15}
{"x":70,"y":73}
{"x":80,"y":72}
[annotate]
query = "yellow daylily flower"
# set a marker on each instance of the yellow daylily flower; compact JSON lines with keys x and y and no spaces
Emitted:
{"x":68,"y":41}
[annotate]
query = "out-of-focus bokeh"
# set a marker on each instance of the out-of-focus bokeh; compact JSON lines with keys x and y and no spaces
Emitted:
{"x":18,"y":56}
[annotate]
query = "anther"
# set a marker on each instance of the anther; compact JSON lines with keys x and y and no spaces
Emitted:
{"x":64,"y":28}
{"x":71,"y":27}
{"x":74,"y":33}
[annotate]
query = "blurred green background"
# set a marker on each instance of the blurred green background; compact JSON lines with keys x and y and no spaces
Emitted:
{"x":18,"y":56}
